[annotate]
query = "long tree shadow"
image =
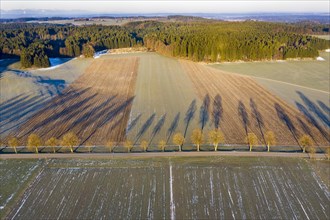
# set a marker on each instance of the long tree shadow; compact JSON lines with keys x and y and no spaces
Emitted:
{"x":133,"y":123}
{"x":11,"y":118}
{"x":306,"y":129}
{"x":312,"y":120}
{"x":89,"y":117}
{"x":315,"y":109}
{"x":12,"y":102}
{"x":65,"y":112}
{"x":189,"y":115}
{"x":286,"y":120}
{"x":257,"y":115}
{"x":144,"y":127}
{"x":204,"y":111}
{"x":173,"y":127}
{"x":217,"y":111}
{"x":52,"y":86}
{"x":157,"y":127}
{"x":324,"y":107}
{"x":108,"y":115}
{"x":244,"y":116}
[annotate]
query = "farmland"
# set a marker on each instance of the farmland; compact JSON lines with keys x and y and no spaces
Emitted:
{"x":25,"y":92}
{"x":15,"y":176}
{"x":96,"y":106}
{"x":303,"y":84}
{"x":164,"y":102}
{"x":308,"y":73}
{"x":241,"y":105}
{"x":175,"y":188}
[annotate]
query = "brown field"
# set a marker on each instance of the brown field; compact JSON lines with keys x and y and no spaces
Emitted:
{"x":96,"y":106}
{"x":238,"y":105}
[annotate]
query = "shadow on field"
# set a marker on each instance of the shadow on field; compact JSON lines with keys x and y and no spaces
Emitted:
{"x":4,"y":64}
{"x":258,"y":117}
{"x":189,"y":115}
{"x":133,"y":123}
{"x":217,"y":111}
{"x":204,"y":111}
{"x":157,"y":127}
{"x":243,"y":115}
{"x":18,"y":110}
{"x":286,"y":120}
{"x":107,"y":114}
{"x":312,"y":120}
{"x":324,"y":107}
{"x":50,"y":106}
{"x":312,"y":107}
{"x":173,"y":127}
{"x":52,"y":86}
{"x":145,"y":127}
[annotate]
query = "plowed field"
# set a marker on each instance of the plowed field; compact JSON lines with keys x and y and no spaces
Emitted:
{"x":96,"y":106}
{"x":238,"y":105}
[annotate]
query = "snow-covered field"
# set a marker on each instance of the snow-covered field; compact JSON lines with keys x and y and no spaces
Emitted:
{"x":176,"y":188}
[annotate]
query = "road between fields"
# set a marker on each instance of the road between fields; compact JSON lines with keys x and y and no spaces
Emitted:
{"x":157,"y":154}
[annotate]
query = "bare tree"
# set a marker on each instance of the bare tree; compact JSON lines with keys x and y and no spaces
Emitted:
{"x":162,"y":145}
{"x":252,"y":140}
{"x":312,"y":151}
{"x":52,"y":142}
{"x":197,"y":138}
{"x":13,"y":143}
{"x":110,"y":145}
{"x":129,"y":145}
{"x":144,"y":145}
{"x":305,"y":141}
{"x":178,"y":139}
{"x":270,"y":139}
{"x":216,"y":137}
{"x":34,"y":142}
{"x":327,"y":152}
{"x":89,"y":145}
{"x":70,"y":140}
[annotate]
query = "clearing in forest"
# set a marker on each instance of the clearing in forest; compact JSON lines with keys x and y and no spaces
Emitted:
{"x":96,"y":106}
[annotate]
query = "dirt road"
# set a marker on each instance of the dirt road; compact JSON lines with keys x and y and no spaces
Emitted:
{"x":159,"y":154}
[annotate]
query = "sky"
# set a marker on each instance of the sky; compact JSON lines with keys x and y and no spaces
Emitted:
{"x":166,"y":6}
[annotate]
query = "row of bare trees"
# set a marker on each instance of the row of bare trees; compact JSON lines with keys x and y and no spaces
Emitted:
{"x":215,"y":137}
{"x":34,"y":142}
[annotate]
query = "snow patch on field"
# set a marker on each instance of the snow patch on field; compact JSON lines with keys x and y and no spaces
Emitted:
{"x":99,"y":53}
{"x":172,"y":205}
{"x":55,"y":63}
{"x":320,"y":59}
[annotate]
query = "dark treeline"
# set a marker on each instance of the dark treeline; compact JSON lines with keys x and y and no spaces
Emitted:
{"x":230,"y":41}
{"x":34,"y":43}
{"x":198,"y":40}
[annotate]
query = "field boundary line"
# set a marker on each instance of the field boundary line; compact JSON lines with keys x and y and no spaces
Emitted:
{"x":158,"y":154}
{"x":272,"y":80}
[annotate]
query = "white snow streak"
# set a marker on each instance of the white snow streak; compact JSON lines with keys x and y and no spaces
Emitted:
{"x":172,"y":205}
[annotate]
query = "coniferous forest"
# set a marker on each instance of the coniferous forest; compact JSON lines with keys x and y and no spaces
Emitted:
{"x":209,"y":41}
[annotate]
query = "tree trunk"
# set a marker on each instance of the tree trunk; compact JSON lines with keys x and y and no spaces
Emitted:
{"x":71,"y":149}
{"x":268,"y":147}
{"x":304,"y":149}
{"x":179,"y":147}
{"x":216,"y":147}
{"x":197,"y":147}
{"x":36,"y":150}
{"x":250,"y":147}
{"x":54,"y":150}
{"x":15,"y":150}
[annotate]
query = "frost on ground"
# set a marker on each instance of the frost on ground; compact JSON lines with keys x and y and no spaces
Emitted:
{"x":13,"y":175}
{"x":176,"y":188}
